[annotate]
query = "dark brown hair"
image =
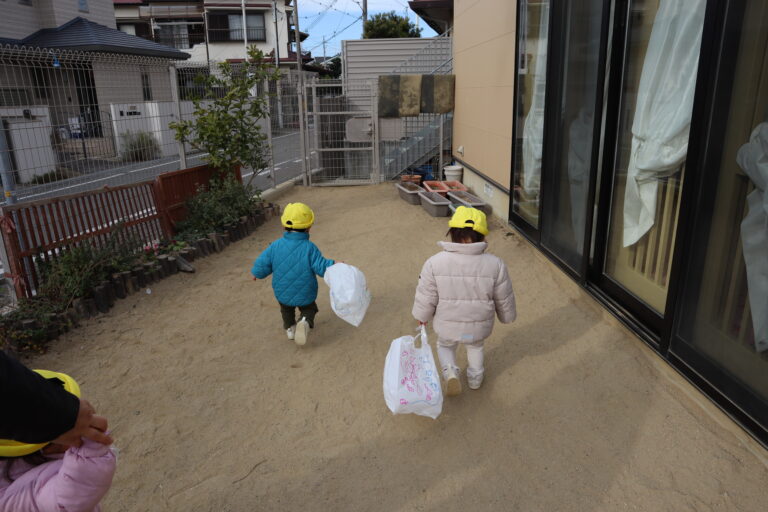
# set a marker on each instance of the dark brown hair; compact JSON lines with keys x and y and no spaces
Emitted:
{"x":461,"y":235}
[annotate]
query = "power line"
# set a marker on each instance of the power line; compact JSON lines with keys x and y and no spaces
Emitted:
{"x":338,"y":32}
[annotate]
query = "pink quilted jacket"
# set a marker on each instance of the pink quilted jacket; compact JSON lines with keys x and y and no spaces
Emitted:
{"x":74,"y":482}
{"x":462,"y":289}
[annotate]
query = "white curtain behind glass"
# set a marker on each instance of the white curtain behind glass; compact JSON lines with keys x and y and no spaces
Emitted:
{"x":753,"y":159}
{"x":663,"y":110}
{"x":533,"y":128}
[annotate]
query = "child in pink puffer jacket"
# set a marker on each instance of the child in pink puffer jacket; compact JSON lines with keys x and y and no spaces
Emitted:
{"x":50,"y":477}
{"x":463,"y":288}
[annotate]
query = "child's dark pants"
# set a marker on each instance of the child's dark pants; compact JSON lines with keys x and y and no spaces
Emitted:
{"x":289,"y":314}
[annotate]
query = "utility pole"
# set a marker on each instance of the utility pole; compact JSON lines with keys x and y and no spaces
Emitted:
{"x":277,"y":37}
{"x":365,"y":13}
{"x":245,"y":33}
{"x":301,"y":93}
{"x":324,"y":54}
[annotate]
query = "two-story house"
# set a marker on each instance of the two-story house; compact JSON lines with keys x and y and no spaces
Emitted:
{"x":66,"y":74}
{"x":214,"y":30}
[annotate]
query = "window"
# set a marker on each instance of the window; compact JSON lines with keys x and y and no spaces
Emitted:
{"x":82,"y":5}
{"x":146,"y":87}
{"x":229,"y":27}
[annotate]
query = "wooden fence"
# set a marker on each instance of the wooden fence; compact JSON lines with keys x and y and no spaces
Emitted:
{"x":147,"y":211}
{"x":174,"y":188}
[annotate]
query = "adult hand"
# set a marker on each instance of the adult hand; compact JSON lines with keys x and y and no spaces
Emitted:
{"x":88,"y":425}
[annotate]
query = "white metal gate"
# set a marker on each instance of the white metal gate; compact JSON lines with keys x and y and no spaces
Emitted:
{"x":342,"y":132}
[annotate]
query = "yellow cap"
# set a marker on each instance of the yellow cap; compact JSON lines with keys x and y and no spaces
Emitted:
{"x":9,"y":448}
{"x":469,"y":218}
{"x":297,"y":216}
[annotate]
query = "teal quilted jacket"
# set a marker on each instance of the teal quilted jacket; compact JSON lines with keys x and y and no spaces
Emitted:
{"x":294,"y":261}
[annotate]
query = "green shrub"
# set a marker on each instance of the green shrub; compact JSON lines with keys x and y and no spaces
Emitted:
{"x":139,"y":147}
{"x":222,"y":202}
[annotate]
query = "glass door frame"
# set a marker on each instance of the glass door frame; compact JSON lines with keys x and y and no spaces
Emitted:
{"x":653,"y":327}
{"x":552,"y":148}
{"x":708,"y":121}
{"x":724,"y":25}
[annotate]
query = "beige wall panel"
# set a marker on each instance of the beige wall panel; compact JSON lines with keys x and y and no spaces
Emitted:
{"x":484,"y":64}
{"x":498,"y":200}
{"x":483,"y":22}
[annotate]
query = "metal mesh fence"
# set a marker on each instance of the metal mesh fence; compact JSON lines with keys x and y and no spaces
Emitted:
{"x":76,"y":121}
{"x":412,"y":142}
{"x":342,"y":130}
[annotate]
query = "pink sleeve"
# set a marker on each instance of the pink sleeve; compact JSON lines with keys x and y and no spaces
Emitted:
{"x":82,"y":481}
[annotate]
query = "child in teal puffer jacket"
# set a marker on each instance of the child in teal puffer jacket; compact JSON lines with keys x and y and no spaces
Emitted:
{"x":294,"y":261}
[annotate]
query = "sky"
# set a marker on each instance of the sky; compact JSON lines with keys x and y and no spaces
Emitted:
{"x":337,"y":20}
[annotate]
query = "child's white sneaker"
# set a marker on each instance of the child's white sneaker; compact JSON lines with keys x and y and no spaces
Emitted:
{"x":474,"y":381}
{"x":452,"y":382}
{"x":302,"y":332}
{"x":291,"y":332}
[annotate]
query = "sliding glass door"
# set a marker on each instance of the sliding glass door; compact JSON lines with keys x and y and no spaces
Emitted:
{"x":573,"y":129}
{"x":723,"y":312}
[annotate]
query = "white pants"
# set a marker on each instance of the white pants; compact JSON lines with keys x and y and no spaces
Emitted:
{"x":446,"y":352}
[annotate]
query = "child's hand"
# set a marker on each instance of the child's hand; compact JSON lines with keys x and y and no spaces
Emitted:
{"x":255,"y":278}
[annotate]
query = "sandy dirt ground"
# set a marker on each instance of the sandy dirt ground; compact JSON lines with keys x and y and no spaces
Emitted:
{"x":213,"y":409}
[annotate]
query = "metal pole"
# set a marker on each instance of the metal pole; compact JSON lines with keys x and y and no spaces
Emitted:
{"x":269,"y":137}
{"x":6,"y":169}
{"x":177,"y":113}
{"x":301,"y":93}
{"x":277,"y":34}
{"x":377,"y":178}
{"x":245,"y":33}
{"x":365,"y":13}
{"x":207,"y":42}
{"x":440,"y":157}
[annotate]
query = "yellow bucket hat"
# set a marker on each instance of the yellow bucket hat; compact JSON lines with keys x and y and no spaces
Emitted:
{"x":297,"y":216}
{"x":9,"y":448}
{"x":469,"y":218}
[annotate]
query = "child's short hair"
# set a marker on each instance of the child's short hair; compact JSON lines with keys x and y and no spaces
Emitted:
{"x":297,"y":230}
{"x":459,"y":235}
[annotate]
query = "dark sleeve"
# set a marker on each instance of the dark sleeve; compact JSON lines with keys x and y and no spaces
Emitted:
{"x":34,"y":409}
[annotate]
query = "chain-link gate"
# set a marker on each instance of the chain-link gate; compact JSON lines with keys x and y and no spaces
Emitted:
{"x":342,"y":132}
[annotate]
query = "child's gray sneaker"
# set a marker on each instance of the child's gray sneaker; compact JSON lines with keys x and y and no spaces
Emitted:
{"x":474,"y":381}
{"x":291,"y":332}
{"x":452,"y":382}
{"x":302,"y":332}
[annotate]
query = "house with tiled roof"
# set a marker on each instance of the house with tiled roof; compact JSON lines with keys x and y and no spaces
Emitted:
{"x":68,"y":82}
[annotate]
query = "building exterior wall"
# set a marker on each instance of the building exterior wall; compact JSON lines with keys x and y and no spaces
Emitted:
{"x":57,"y":12}
{"x":19,"y":20}
{"x":484,"y":64}
{"x":364,"y":59}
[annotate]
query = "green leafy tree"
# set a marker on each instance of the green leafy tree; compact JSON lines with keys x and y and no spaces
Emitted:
{"x":389,"y":25}
{"x":334,"y":67}
{"x":226,"y":119}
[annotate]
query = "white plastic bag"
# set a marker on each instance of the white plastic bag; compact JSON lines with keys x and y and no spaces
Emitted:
{"x":411,"y":379}
{"x":349,"y":293}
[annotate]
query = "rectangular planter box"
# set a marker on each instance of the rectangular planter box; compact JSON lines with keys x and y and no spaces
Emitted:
{"x":436,"y":186}
{"x":464,"y":198}
{"x":409,"y":192}
{"x":410,"y":178}
{"x":455,"y":186}
{"x":435,"y":204}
